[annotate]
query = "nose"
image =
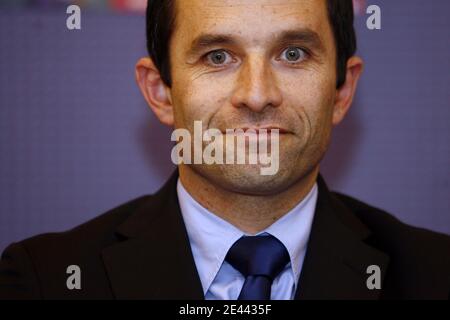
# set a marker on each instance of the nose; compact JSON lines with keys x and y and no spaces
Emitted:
{"x":256,"y":86}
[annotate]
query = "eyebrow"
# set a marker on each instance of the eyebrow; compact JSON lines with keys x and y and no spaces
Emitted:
{"x":304,"y":35}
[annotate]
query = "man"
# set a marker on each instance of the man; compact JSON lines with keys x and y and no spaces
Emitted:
{"x":224,"y":230}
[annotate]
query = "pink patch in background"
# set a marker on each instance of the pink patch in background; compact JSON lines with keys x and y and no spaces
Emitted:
{"x":359,"y":7}
{"x":138,"y":6}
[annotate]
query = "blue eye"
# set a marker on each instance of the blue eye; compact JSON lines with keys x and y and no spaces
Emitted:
{"x":294,"y":54}
{"x":217,"y":57}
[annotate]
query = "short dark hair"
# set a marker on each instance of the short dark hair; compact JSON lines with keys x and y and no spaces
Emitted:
{"x":161,"y":17}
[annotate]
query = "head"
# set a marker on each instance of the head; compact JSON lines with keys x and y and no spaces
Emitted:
{"x":253,"y":63}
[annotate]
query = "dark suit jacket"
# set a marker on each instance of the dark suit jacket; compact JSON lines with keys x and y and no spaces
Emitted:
{"x":140,"y":250}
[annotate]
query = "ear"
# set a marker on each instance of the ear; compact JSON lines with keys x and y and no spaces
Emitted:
{"x":154,"y":90}
{"x":345,"y":94}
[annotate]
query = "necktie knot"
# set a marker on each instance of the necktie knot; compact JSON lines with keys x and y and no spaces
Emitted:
{"x":258,"y":256}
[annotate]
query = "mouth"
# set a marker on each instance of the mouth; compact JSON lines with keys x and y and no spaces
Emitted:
{"x":259,"y":130}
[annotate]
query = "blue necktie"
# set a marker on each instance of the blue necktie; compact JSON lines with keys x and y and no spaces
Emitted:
{"x":260,"y":259}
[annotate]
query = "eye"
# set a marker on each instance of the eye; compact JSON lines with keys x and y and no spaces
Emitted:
{"x":217,"y":57}
{"x":294,"y":55}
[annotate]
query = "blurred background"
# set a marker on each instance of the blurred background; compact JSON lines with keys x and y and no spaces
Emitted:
{"x":77,"y":139}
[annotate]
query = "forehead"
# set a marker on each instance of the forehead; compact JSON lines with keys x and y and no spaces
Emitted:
{"x":253,"y":21}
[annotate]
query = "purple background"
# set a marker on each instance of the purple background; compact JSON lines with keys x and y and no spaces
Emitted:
{"x":77,"y":139}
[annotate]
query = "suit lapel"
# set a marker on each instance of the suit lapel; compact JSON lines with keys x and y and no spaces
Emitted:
{"x":155,"y":260}
{"x":337,"y":258}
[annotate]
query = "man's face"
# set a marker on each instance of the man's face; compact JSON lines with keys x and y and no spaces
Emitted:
{"x":261,"y":63}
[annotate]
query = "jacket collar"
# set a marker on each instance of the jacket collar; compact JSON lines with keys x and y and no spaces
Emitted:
{"x":337,"y":257}
{"x":155,"y":260}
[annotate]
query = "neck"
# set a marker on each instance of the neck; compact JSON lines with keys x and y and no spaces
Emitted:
{"x":249,"y":213}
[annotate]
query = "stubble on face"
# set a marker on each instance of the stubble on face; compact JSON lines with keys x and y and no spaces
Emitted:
{"x":299,"y":99}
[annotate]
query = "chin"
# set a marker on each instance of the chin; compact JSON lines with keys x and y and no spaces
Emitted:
{"x":247,"y":179}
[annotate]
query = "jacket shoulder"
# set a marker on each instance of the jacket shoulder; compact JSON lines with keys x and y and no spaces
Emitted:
{"x":418,"y":256}
{"x":36,"y":267}
{"x":97,"y":231}
{"x":386,"y":225}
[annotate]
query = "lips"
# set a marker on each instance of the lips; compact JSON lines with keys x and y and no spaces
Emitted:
{"x":267,"y":129}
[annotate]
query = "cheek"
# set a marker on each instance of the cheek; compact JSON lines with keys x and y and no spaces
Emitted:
{"x":196,"y":101}
{"x":312,"y":97}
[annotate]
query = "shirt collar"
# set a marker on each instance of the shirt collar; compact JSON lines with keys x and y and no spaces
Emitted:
{"x":293,"y":229}
{"x":211,"y":237}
